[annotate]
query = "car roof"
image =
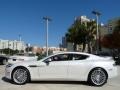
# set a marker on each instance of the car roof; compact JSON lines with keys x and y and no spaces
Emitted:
{"x":73,"y":53}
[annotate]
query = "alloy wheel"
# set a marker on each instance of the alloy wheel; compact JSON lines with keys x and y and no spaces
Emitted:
{"x":20,"y":76}
{"x":98,"y":77}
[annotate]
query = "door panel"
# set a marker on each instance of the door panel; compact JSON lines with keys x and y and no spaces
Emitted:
{"x":55,"y":70}
{"x":78,"y":67}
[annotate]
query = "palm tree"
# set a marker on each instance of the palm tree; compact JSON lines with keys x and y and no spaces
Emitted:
{"x":76,"y":34}
{"x":91,"y":34}
{"x":82,"y":33}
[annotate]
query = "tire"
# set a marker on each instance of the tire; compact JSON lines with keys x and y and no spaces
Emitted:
{"x":98,"y":77}
{"x":4,"y":62}
{"x":20,"y":76}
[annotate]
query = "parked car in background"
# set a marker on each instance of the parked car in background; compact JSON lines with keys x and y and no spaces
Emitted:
{"x":22,"y":57}
{"x":3,"y":59}
{"x":65,"y":66}
{"x":105,"y":54}
{"x":115,"y":55}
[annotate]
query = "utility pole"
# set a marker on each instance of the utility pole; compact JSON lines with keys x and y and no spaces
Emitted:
{"x":97,"y":14}
{"x":47,"y":19}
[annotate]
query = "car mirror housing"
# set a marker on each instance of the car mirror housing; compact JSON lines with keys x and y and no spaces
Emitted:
{"x":47,"y":61}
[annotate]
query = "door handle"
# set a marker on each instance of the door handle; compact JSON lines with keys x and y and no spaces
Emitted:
{"x":41,"y":66}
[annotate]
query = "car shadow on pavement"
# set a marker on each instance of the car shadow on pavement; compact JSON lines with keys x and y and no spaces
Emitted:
{"x":61,"y":82}
{"x":7,"y":80}
{"x":52,"y":82}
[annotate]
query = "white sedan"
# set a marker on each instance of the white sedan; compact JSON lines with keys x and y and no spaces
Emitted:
{"x":66,"y":66}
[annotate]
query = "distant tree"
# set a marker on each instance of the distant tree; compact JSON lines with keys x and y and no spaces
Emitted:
{"x":6,"y":51}
{"x":10,"y":51}
{"x":21,"y":51}
{"x":16,"y":51}
{"x":91,"y":34}
{"x":29,"y":49}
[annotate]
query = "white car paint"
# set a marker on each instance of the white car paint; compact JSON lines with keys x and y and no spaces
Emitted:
{"x":76,"y":70}
{"x":19,"y":58}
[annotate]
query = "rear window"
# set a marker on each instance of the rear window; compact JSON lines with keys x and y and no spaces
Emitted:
{"x":80,"y":57}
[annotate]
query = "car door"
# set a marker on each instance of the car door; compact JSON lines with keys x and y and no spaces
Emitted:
{"x":78,"y":66}
{"x":56,"y":69}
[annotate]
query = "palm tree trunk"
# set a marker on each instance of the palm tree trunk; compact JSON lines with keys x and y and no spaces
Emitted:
{"x":74,"y":46}
{"x":89,"y":47}
{"x":84,"y":46}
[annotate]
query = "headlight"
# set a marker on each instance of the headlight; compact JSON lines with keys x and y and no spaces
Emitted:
{"x":8,"y":65}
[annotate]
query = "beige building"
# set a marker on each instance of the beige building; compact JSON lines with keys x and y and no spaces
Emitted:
{"x":112,"y":24}
{"x":42,"y":50}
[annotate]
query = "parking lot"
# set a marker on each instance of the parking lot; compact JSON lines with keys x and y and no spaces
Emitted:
{"x":113,"y":84}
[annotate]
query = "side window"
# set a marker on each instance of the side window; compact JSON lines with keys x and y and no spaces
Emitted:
{"x":62,"y":57}
{"x":79,"y":57}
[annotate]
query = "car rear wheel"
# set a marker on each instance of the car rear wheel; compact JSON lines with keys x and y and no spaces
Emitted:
{"x":20,"y":76}
{"x":97,"y":77}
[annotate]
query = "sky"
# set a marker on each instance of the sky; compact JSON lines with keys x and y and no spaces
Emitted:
{"x":25,"y":18}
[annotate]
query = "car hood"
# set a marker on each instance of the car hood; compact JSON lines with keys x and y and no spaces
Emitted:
{"x":23,"y":57}
{"x":26,"y":63}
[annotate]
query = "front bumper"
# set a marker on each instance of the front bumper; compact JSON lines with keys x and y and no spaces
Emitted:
{"x":8,"y":73}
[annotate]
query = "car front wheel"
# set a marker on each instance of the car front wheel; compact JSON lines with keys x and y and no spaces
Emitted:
{"x":20,"y":76}
{"x":97,"y":77}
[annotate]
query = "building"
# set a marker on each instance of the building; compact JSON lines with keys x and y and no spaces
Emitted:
{"x":12,"y":44}
{"x":64,"y":43}
{"x":42,"y":50}
{"x":103,"y":30}
{"x":82,"y":19}
{"x":112,"y":24}
{"x":108,"y":29}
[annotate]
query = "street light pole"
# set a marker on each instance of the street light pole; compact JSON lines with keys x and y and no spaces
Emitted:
{"x":47,"y":19}
{"x":97,"y":14}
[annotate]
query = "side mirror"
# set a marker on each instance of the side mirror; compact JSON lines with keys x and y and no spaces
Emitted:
{"x":47,"y":61}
